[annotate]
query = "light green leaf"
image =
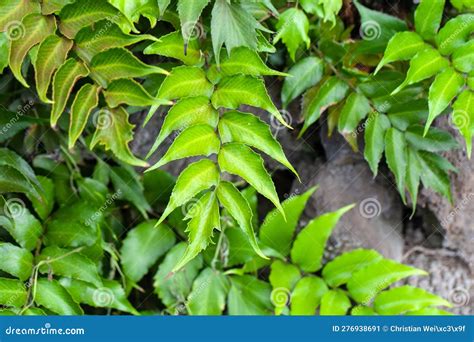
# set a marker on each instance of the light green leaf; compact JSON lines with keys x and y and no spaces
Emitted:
{"x":250,"y":130}
{"x":340,"y":270}
{"x":104,"y":35}
{"x":307,"y":295}
{"x":428,"y":16}
{"x":118,"y":63}
{"x":370,"y":280}
{"x":20,"y":223}
{"x":463,"y":57}
{"x":34,"y":29}
{"x":12,"y":293}
{"x":209,"y":293}
{"x":243,"y":60}
{"x":309,"y":245}
{"x":293,"y":27}
{"x":63,"y":82}
{"x":237,"y":90}
{"x":163,"y":5}
{"x":232,"y":26}
{"x":434,"y":140}
{"x":374,"y":135}
{"x":402,"y":46}
{"x":361,"y":310}
{"x":249,"y":296}
{"x":87,"y":98}
{"x":52,"y":53}
{"x":240,"y":160}
{"x":238,"y":207}
{"x":317,"y":99}
{"x":306,"y":73}
{"x":110,"y":295}
{"x":186,"y":112}
{"x":406,"y":298}
{"x":82,"y":13}
{"x":54,"y":297}
{"x":334,"y":303}
{"x":197,"y":177}
{"x":130,"y":92}
{"x":15,"y":10}
{"x":355,"y":109}
{"x":277,"y":233}
{"x":172,"y":288}
{"x":283,"y":275}
{"x":429,"y":312}
{"x":185,"y":81}
{"x":455,"y":33}
{"x":396,"y":155}
{"x":68,"y":263}
{"x":143,"y":246}
{"x":189,"y":12}
{"x":463,"y":117}
{"x":115,"y":132}
{"x":133,"y":10}
{"x":443,"y":90}
{"x":197,"y":140}
{"x":172,"y":45}
{"x":15,"y":261}
{"x":4,"y":52}
{"x":425,"y":64}
{"x":205,"y":217}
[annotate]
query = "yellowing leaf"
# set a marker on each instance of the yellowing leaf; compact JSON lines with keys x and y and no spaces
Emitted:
{"x":197,"y":140}
{"x":52,"y":53}
{"x":35,"y":28}
{"x":63,"y":82}
{"x":12,"y":11}
{"x":85,"y":101}
{"x":115,"y":132}
{"x":240,"y":160}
